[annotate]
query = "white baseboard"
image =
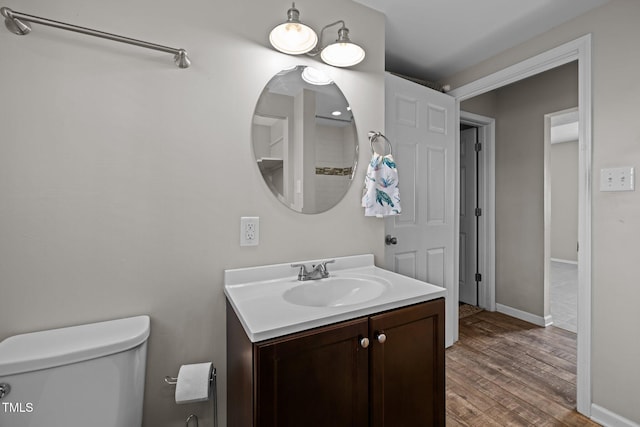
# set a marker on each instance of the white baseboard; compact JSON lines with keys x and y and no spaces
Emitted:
{"x":523,"y":315}
{"x":609,"y":419}
{"x":564,"y":261}
{"x":548,"y":320}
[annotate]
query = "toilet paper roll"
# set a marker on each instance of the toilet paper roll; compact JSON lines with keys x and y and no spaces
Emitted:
{"x":194,"y":383}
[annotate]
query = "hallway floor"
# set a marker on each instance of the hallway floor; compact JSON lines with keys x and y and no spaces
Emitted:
{"x":504,"y":371}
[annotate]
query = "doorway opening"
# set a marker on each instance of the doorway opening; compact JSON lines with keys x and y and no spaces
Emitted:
{"x":521,"y":203}
{"x":577,"y":50}
{"x":477,"y":181}
{"x":561,"y":217}
{"x":470,"y":211}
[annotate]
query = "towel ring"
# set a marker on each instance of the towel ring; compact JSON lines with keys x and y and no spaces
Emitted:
{"x":373,"y":137}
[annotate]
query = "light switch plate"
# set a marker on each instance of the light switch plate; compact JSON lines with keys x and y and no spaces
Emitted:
{"x":617,"y":179}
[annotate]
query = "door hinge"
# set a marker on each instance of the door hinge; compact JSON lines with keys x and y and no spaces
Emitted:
{"x":478,"y":277}
{"x":478,"y":211}
{"x":477,"y":146}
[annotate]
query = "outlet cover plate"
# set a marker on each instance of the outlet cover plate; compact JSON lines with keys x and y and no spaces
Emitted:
{"x":249,"y":231}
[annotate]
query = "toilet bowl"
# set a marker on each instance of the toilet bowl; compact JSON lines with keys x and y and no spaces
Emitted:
{"x":80,"y":376}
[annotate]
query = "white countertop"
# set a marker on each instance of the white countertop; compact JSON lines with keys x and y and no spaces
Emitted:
{"x":256,"y":295}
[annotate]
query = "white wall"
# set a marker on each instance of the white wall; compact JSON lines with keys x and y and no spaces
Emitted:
{"x":616,"y":216}
{"x":122,"y":177}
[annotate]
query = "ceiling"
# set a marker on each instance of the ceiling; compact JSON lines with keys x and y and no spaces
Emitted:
{"x":433,"y":39}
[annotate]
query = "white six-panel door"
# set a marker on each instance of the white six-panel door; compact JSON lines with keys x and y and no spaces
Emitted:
{"x":421,"y":124}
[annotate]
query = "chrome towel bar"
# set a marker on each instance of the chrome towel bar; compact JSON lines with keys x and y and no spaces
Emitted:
{"x":17,"y":23}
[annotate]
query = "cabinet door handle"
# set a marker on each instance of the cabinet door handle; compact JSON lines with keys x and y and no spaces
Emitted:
{"x":364,"y":342}
{"x":381,"y":337}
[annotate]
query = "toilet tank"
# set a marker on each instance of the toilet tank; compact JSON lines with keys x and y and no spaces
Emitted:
{"x":88,"y":375}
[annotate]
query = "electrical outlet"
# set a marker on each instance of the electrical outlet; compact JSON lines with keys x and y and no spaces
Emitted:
{"x":249,"y":230}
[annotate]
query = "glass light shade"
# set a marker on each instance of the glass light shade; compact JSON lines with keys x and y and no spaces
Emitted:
{"x":342,"y":54}
{"x":293,"y":38}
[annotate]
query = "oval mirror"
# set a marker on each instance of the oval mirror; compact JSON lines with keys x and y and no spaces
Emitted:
{"x":304,"y":140}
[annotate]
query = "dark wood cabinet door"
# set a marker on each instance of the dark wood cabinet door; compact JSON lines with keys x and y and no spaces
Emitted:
{"x":314,"y":379}
{"x":407,"y":376}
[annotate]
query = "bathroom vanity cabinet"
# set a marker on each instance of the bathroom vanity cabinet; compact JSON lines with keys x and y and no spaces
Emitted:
{"x":382,"y":370}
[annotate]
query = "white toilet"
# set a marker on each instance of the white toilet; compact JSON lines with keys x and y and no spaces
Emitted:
{"x":82,"y":376}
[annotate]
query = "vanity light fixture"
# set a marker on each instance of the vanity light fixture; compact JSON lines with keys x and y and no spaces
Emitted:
{"x":295,"y":38}
{"x":342,"y":52}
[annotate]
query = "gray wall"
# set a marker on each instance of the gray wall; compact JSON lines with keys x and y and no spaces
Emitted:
{"x":616,"y":216}
{"x":519,"y":111}
{"x":123,"y":178}
{"x":564,"y":200}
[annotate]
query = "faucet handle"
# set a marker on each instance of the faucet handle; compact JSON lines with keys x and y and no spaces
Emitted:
{"x":303,"y":270}
{"x":323,"y":267}
{"x":324,"y":263}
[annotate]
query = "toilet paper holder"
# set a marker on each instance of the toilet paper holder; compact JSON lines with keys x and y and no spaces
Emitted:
{"x":212,"y":384}
{"x":174,"y":380}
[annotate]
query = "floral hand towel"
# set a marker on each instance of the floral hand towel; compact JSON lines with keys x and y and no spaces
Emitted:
{"x":381,"y":196}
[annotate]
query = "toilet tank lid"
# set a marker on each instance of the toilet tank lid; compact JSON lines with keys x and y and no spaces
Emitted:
{"x":57,"y":347}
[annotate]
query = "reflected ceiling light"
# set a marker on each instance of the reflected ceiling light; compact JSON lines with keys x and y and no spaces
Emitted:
{"x":295,"y":38}
{"x":316,"y":77}
{"x":292,"y":36}
{"x":336,"y":113}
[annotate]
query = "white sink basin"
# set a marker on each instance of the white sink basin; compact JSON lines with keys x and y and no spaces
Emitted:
{"x":336,"y":291}
{"x":270,"y":302}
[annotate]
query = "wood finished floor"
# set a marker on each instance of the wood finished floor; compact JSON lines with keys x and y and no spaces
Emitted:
{"x":506,"y":372}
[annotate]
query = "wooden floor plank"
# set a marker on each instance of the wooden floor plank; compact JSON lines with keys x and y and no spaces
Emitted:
{"x":504,"y":371}
{"x":543,"y":361}
{"x":549,"y":341}
{"x":453,"y":421}
{"x":457,"y":383}
{"x":537,"y":374}
{"x":493,"y":393}
{"x":514,"y":368}
{"x":515,"y":388}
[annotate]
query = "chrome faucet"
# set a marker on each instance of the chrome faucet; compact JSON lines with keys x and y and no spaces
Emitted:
{"x":318,"y":271}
